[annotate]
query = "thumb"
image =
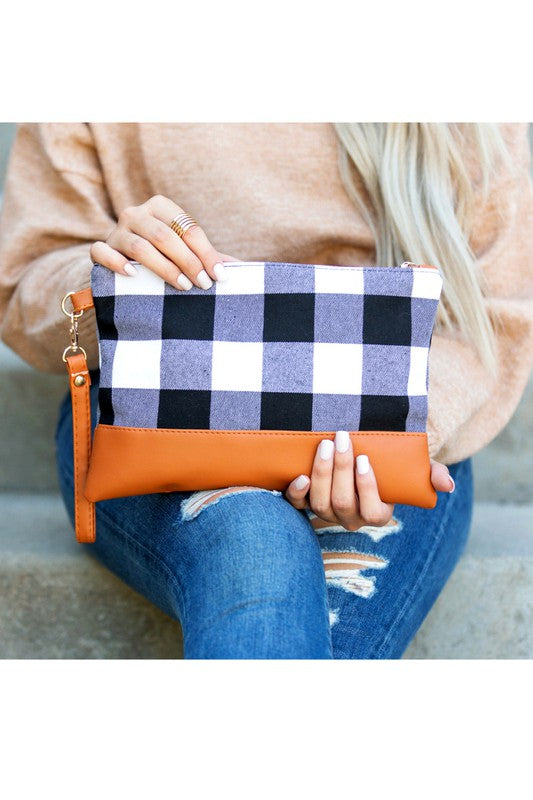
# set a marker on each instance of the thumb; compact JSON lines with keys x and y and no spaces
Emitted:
{"x":297,"y":490}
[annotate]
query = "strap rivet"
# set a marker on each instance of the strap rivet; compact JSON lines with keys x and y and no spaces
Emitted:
{"x":79,"y":380}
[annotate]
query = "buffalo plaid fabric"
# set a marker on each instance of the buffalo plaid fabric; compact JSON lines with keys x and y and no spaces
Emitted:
{"x":276,"y":347}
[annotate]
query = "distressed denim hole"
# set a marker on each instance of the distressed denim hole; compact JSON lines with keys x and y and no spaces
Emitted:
{"x":195,"y":504}
{"x":333,"y":616}
{"x":344,"y":569}
{"x":375,"y":532}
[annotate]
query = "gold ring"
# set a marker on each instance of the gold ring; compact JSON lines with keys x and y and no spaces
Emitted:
{"x":78,"y":349}
{"x":182,"y":223}
{"x":71,"y":314}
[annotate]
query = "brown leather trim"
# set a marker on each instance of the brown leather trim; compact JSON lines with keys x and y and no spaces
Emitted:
{"x":82,"y":300}
{"x":131,"y":461}
{"x":81,"y":431}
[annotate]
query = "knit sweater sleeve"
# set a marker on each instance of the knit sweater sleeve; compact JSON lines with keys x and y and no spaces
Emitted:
{"x":468,"y":407}
{"x":55,"y":206}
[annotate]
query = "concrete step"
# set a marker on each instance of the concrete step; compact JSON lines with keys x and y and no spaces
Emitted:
{"x":28,"y":411}
{"x":486,"y":608}
{"x":29,"y":402}
{"x":56,"y":601}
{"x":503,"y":469}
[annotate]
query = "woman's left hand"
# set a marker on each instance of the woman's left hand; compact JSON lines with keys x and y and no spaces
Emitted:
{"x":335,"y":497}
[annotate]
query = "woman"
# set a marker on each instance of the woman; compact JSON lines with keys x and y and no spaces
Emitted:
{"x":244,"y":570}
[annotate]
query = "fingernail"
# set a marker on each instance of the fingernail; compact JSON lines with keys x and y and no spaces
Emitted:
{"x":220,"y":272}
{"x":453,"y":484}
{"x":204,"y":280}
{"x":363,"y":464}
{"x":326,"y":449}
{"x":130,"y":270}
{"x":342,"y":441}
{"x":184,"y":282}
{"x":301,"y":482}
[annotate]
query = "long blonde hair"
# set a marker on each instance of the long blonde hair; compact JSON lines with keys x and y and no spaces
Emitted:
{"x":416,"y":194}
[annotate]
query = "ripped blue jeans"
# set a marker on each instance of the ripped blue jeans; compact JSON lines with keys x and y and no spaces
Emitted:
{"x":247,"y":576}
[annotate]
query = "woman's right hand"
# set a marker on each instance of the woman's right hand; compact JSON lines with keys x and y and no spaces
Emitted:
{"x":143,"y":234}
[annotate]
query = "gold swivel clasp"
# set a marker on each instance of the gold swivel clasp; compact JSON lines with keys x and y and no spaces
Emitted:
{"x":74,"y":346}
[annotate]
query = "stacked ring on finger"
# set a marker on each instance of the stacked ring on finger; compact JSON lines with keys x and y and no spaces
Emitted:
{"x":182,"y":223}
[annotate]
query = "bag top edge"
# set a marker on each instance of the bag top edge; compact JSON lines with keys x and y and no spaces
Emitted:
{"x":228,"y":264}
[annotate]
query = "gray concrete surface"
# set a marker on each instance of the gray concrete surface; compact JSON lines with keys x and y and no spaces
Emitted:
{"x":503,"y":470}
{"x":57,"y":601}
{"x":29,"y":403}
{"x":486,"y":608}
{"x":7,"y":133}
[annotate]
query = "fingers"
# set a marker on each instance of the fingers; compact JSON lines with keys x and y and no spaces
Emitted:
{"x":104,"y":254}
{"x":371,"y":508}
{"x":440,"y":477}
{"x":143,"y":234}
{"x":155,"y":245}
{"x":296,"y":492}
{"x":140,"y":250}
{"x":334,"y":493}
{"x":321,"y":481}
{"x":194,"y":239}
{"x":343,"y":496}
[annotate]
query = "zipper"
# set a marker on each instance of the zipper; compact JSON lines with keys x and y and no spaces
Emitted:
{"x":405,"y":265}
{"x":409,"y":264}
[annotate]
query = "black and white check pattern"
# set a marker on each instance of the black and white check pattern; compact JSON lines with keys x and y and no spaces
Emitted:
{"x":276,"y":347}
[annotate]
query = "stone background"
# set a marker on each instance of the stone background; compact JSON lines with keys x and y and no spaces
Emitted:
{"x":57,"y":602}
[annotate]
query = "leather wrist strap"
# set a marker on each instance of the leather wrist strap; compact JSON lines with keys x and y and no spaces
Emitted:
{"x":80,"y":381}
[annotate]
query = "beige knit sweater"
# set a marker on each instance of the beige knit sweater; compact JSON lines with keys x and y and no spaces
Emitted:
{"x":261,"y":192}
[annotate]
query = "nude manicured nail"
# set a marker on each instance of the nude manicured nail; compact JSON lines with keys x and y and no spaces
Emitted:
{"x":452,"y":483}
{"x":301,"y":482}
{"x":342,"y":441}
{"x":363,"y":464}
{"x":183,"y":282}
{"x":204,"y":280}
{"x":220,"y":272}
{"x":326,"y":449}
{"x":130,"y":270}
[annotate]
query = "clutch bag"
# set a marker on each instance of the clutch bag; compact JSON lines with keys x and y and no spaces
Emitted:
{"x":237,"y":384}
